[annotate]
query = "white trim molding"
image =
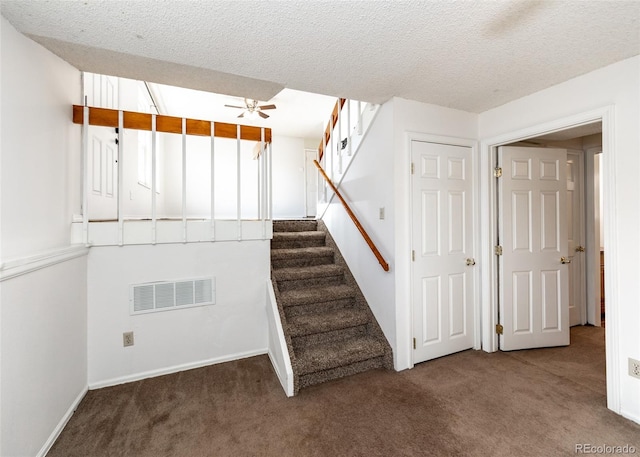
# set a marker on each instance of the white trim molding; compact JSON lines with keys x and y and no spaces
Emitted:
{"x":175,"y":369}
{"x":23,"y":265}
{"x":488,"y":299}
{"x":46,"y":447}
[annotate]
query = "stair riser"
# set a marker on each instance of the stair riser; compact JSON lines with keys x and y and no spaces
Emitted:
{"x":295,"y":244}
{"x":326,"y":337}
{"x":310,"y":282}
{"x":295,"y":226}
{"x":299,"y":310}
{"x":339,"y":372}
{"x":301,"y":262}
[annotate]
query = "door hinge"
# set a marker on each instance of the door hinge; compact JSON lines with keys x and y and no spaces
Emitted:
{"x":497,"y":172}
{"x":413,"y":255}
{"x":413,"y":168}
{"x":414,"y":343}
{"x":580,"y":249}
{"x":498,"y":250}
{"x":499,"y":329}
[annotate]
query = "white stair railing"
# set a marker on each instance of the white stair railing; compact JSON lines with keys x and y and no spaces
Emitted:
{"x":120,"y":230}
{"x":335,"y":155}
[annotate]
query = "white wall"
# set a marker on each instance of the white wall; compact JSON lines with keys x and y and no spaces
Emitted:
{"x":168,"y":341}
{"x":288,"y":177}
{"x":411,"y":116}
{"x":379,"y":177}
{"x":368,"y":186}
{"x":617,"y":85}
{"x":42,"y":312}
{"x":40,"y":146}
{"x":44,"y":354}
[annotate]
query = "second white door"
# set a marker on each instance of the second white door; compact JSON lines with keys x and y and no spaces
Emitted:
{"x":534,"y":275}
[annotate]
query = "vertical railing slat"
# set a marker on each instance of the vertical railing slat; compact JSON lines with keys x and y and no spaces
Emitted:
{"x":349,"y":127}
{"x":239,"y":182}
{"x":263,"y":187}
{"x":120,"y":150}
{"x":184,"y":180}
{"x":270,"y":176}
{"x":213,"y":184}
{"x":154,"y":222}
{"x":339,"y":143}
{"x":85,"y":167}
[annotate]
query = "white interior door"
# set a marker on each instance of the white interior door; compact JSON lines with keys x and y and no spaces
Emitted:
{"x":103,"y":174}
{"x":532,"y":228}
{"x":442,"y":239}
{"x":102,"y":91}
{"x":311,"y":182}
{"x":576,"y":238}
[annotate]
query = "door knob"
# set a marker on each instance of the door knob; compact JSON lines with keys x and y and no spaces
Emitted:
{"x":564,"y":260}
{"x":471,"y":262}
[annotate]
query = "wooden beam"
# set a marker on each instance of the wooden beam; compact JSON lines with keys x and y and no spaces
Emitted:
{"x":167,"y":124}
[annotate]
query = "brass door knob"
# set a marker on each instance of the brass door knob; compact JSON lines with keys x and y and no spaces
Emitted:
{"x":471,"y":262}
{"x":564,"y":260}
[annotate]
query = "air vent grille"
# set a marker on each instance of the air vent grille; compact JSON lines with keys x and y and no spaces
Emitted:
{"x":166,"y":295}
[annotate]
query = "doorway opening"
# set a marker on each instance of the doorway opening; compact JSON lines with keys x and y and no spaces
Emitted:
{"x":489,"y":217}
{"x":578,"y":150}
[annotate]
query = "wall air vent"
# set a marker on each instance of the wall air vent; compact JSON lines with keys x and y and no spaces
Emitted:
{"x":166,"y":295}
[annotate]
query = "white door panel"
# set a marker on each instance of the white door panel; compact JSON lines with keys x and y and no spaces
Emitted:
{"x":533,"y":234}
{"x":442,"y":282}
{"x":576,"y":237}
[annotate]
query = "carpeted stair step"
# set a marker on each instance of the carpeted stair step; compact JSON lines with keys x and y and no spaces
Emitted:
{"x":302,"y":257}
{"x":295,"y":226}
{"x":297,"y":302}
{"x":292,"y":240}
{"x":314,"y":276}
{"x":310,"y":324}
{"x":337,"y":354}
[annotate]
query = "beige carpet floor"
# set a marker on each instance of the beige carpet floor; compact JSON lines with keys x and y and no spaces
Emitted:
{"x":539,"y":402}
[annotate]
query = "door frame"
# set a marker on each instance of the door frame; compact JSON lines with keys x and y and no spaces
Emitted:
{"x":453,"y":141}
{"x":307,"y":166}
{"x":488,"y":221}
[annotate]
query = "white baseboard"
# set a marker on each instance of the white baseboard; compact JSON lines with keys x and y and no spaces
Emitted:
{"x":632,"y":417}
{"x":174,"y":369}
{"x":63,"y":422}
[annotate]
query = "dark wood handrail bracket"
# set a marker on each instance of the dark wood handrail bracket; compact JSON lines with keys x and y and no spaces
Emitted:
{"x":363,"y":232}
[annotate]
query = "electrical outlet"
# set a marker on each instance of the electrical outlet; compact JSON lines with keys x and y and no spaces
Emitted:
{"x":382,"y":213}
{"x":634,"y":368}
{"x":127,"y":339}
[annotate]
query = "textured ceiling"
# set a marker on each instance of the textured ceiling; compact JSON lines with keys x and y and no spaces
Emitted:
{"x":467,"y":55}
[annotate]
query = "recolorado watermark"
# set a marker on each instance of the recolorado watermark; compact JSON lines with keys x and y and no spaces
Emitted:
{"x":586,"y":448}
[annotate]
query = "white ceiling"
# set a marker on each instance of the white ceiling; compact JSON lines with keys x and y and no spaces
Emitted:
{"x":467,"y":55}
{"x":297,"y":114}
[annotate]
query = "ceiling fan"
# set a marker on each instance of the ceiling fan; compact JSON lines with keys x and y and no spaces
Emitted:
{"x":252,"y":109}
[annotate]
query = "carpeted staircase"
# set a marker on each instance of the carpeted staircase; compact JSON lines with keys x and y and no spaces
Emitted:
{"x":329,"y":328}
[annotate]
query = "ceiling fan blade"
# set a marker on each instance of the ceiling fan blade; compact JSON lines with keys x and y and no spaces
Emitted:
{"x":241,"y":115}
{"x":262,"y":115}
{"x":234,"y":106}
{"x":267,"y":107}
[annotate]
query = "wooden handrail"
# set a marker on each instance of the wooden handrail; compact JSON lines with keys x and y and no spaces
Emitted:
{"x":332,"y":123}
{"x":363,"y":232}
{"x":168,"y":124}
